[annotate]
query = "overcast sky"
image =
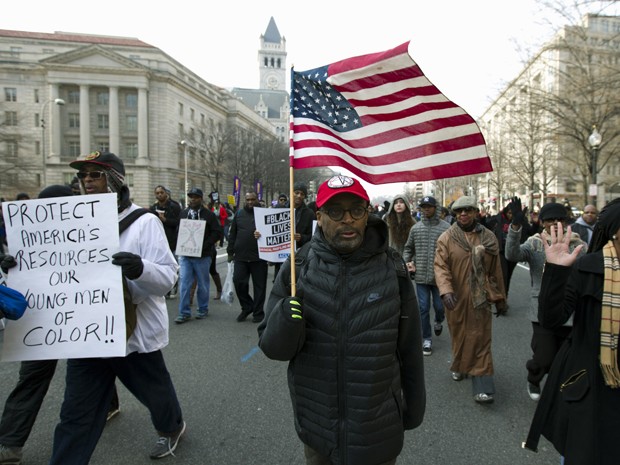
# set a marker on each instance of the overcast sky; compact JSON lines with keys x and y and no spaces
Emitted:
{"x":468,"y":49}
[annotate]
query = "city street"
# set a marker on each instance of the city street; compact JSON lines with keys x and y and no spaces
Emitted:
{"x":238,"y":412}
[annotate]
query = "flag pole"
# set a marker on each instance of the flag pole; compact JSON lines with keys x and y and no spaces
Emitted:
{"x":291,"y":178}
{"x":292,"y":219}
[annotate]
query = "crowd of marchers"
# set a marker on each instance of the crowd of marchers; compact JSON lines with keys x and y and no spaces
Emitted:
{"x":356,"y":323}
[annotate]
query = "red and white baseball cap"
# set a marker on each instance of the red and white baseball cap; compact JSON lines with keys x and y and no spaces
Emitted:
{"x":340,"y":185}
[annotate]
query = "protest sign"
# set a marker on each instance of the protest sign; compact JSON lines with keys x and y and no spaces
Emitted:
{"x":189,"y":240}
{"x":274,"y":225}
{"x":63,"y":248}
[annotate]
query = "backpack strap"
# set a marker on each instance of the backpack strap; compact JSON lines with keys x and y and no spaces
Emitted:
{"x":129,"y":219}
{"x":131,"y":317}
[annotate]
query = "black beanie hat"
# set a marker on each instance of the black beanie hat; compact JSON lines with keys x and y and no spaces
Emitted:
{"x":550,"y":211}
{"x":56,"y":190}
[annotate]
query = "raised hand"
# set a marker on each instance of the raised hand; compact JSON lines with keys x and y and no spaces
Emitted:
{"x":518,"y":216}
{"x":556,"y":245}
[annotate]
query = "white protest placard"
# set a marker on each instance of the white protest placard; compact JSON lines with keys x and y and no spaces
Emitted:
{"x":63,"y":248}
{"x":189,"y":240}
{"x":274,"y":226}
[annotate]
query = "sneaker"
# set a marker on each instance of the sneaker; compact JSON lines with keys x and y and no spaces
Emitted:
{"x":242,"y":316}
{"x":438,"y":328}
{"x":427,"y":347}
{"x":456,"y":376}
{"x":533,"y":391}
{"x":182,"y":319}
{"x":111,"y":414}
{"x":10,"y":455}
{"x":483,"y":398}
{"x":257,"y":319}
{"x":166,"y":445}
{"x":201,"y":315}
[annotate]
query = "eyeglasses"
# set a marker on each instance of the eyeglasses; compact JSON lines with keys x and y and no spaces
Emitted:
{"x":92,"y":174}
{"x":467,"y":210}
{"x":337,"y":213}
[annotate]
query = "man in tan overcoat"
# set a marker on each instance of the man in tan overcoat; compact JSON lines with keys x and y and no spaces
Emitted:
{"x":469,"y":277}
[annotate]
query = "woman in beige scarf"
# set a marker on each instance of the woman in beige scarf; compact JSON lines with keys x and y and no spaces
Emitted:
{"x":579,"y":411}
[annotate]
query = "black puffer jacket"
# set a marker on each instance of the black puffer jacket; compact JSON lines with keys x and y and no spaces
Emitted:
{"x":356,"y":375}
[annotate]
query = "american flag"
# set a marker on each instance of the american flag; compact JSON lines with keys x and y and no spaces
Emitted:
{"x":379,"y":117}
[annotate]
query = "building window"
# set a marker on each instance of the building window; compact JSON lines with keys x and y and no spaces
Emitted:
{"x":36,"y":96}
{"x":37,"y":147}
{"x":180,"y":109}
{"x":131,"y":151}
{"x":192,"y":114}
{"x":37,"y":120}
{"x":103,"y":121}
{"x":10,"y":118}
{"x":67,"y":177}
{"x":132,"y":123}
{"x":10,"y":94}
{"x":103,"y":98}
{"x":131,"y":100}
{"x":571,"y":187}
{"x":11,"y":149}
{"x":73,"y":96}
{"x":74,"y":120}
{"x":74,"y":149}
{"x":103,"y":146}
{"x":181,"y":131}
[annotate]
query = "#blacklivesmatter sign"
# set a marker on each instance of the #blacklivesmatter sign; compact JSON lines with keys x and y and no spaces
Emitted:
{"x":63,"y":248}
{"x":274,"y":226}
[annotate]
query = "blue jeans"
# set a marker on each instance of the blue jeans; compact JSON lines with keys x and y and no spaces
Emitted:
{"x":89,"y":390}
{"x":425,"y":291}
{"x":194,"y":268}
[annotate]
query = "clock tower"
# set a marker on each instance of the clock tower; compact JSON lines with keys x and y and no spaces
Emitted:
{"x":272,"y":58}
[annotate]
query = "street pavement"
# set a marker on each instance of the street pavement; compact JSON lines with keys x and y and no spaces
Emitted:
{"x":238,"y":412}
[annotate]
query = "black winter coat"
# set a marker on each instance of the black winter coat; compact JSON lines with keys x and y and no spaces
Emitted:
{"x":356,"y":375}
{"x":241,"y":240}
{"x":584,"y":420}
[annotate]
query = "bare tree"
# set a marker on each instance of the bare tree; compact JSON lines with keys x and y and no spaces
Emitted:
{"x":587,"y":91}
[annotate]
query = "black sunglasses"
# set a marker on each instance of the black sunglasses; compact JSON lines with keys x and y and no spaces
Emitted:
{"x":337,"y":213}
{"x":458,"y":211}
{"x":92,"y":174}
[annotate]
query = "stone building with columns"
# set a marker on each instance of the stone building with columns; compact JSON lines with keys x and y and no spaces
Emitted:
{"x":66,"y":94}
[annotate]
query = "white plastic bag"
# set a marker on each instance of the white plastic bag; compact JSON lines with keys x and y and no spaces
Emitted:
{"x":228,"y":291}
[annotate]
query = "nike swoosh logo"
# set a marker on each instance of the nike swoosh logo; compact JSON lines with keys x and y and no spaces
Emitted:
{"x":373,"y":297}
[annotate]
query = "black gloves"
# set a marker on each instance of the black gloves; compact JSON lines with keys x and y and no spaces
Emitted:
{"x":130,"y":263}
{"x":231,"y":256}
{"x":294,"y":306}
{"x":518,"y":215}
{"x":501,"y":308}
{"x":449,"y":301}
{"x":6,"y":262}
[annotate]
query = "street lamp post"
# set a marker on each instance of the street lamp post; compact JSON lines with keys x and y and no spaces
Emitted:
{"x":594,"y":140}
{"x":57,"y":101}
{"x":185,"y":148}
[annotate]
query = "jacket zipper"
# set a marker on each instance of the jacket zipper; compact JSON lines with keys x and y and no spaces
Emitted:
{"x":341,"y":335}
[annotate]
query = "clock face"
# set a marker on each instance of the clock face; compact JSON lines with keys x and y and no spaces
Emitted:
{"x":272,"y":82}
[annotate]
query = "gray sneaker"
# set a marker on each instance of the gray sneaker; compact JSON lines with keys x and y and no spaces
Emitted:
{"x":166,"y":445}
{"x":10,"y":455}
{"x":182,"y":319}
{"x":427,"y":347}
